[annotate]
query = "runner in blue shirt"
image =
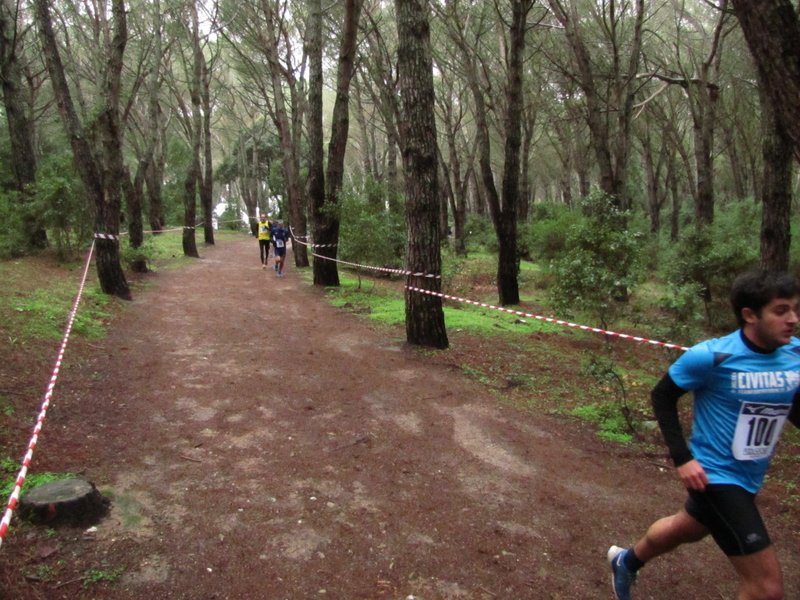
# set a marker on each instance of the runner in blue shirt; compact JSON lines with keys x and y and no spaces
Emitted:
{"x":279,"y":238}
{"x":745,"y":387}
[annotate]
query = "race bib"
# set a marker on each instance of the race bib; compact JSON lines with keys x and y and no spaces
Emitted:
{"x":263,"y":229}
{"x":758,"y":429}
{"x":279,"y":243}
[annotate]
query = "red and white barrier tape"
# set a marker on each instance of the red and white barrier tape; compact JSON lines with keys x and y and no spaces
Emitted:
{"x":309,"y":244}
{"x":14,"y":498}
{"x":383,"y":269}
{"x":549,"y":320}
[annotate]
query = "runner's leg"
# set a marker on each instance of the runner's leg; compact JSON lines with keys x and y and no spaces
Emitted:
{"x":760,"y":574}
{"x":667,"y":534}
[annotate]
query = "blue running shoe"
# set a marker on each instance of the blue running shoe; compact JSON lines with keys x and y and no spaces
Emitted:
{"x":621,"y":578}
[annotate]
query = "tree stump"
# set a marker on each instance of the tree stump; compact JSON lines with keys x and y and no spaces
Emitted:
{"x":75,"y":502}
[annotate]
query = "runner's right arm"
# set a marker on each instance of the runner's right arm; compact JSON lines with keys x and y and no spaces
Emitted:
{"x":665,"y":398}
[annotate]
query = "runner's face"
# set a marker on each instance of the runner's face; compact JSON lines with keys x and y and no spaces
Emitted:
{"x":774,"y":327}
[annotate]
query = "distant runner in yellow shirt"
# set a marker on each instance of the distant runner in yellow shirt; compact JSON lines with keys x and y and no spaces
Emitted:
{"x":264,"y":233}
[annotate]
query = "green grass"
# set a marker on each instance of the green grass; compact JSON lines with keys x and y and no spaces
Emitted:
{"x":42,"y":313}
{"x":388,"y":307}
{"x":11,"y":468}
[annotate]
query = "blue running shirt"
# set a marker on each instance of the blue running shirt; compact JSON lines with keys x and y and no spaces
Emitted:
{"x":741,"y":401}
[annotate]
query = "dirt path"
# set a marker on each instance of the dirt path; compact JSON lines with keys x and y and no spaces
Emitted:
{"x":261,"y":444}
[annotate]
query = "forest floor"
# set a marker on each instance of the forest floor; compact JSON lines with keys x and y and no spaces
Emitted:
{"x":259,"y":443}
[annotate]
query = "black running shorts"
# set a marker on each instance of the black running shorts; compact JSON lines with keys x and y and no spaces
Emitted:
{"x":731,"y":515}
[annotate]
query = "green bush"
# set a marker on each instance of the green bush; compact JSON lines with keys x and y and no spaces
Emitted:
{"x":479,"y":233}
{"x":369,"y":234}
{"x":57,"y":203}
{"x":711,"y":257}
{"x":148,"y":252}
{"x":548,"y":230}
{"x":12,"y":230}
{"x":600,"y":263}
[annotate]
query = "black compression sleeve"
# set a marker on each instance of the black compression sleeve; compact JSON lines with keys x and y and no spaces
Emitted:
{"x":794,"y":413}
{"x":665,"y":406}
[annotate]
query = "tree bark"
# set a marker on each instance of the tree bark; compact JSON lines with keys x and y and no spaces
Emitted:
{"x":772,"y":31}
{"x":316,"y":152}
{"x":20,"y":120}
{"x":424,"y":314}
{"x":94,"y":177}
{"x":207,"y":176}
{"x":133,"y":199}
{"x":506,"y":224}
{"x":776,"y":198}
{"x":291,"y":170}
{"x":193,"y":173}
{"x":326,"y":218}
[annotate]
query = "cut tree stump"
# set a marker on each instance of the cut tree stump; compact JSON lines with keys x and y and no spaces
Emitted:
{"x":74,"y":502}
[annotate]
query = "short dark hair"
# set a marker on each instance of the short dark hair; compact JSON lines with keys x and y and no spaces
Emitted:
{"x":755,"y":289}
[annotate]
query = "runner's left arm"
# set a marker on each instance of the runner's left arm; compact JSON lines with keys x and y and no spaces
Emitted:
{"x":794,"y":413}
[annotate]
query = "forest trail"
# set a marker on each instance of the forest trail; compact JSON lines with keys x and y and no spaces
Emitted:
{"x":259,"y":443}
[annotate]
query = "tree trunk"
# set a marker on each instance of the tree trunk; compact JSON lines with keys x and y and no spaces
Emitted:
{"x":326,"y":219}
{"x":155,"y":176}
{"x":193,"y":174}
{"x":704,"y":120}
{"x":155,"y":168}
{"x":207,"y":176}
{"x":674,"y":220}
{"x":523,"y":207}
{"x":291,"y":171}
{"x":107,"y":209}
{"x":20,"y":121}
{"x":316,"y":153}
{"x":776,"y":198}
{"x":508,"y":261}
{"x":772,"y":31}
{"x":424,"y":314}
{"x":133,"y":200}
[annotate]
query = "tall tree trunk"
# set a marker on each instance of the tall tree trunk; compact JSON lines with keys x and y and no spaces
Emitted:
{"x":155,"y":167}
{"x":704,"y":122}
{"x":326,"y":219}
{"x":291,"y":171}
{"x":424,"y":314}
{"x":674,"y":219}
{"x":523,"y":207}
{"x":155,"y":176}
{"x":193,"y":174}
{"x":20,"y":120}
{"x":772,"y":31}
{"x":107,"y":208}
{"x":506,"y":224}
{"x":776,"y":199}
{"x":133,"y":200}
{"x":316,"y":152}
{"x":207,"y":176}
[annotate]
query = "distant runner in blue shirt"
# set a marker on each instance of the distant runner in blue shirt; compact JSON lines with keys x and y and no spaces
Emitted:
{"x":279,"y":238}
{"x":745,"y":388}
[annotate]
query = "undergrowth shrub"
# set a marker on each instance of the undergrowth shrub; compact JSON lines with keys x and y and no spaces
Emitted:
{"x":548,"y":229}
{"x":600,"y":262}
{"x":369,"y":234}
{"x":709,"y":258}
{"x":479,"y":234}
